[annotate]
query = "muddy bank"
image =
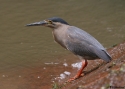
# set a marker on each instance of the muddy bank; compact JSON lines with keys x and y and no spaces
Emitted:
{"x":104,"y":75}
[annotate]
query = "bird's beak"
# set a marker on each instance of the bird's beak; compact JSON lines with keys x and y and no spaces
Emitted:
{"x":42,"y":23}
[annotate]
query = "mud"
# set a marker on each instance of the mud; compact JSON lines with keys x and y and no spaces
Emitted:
{"x":104,"y":75}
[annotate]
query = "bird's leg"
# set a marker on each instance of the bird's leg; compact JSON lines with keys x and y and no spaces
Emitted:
{"x":84,"y":64}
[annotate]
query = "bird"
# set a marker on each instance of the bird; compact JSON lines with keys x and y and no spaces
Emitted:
{"x":76,"y":40}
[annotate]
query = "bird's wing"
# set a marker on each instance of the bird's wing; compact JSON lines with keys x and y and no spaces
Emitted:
{"x":81,"y":43}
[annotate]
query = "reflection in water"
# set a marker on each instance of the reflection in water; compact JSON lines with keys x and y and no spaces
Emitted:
{"x":30,"y":58}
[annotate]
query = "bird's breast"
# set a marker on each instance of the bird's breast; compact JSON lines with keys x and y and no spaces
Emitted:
{"x":59,"y":37}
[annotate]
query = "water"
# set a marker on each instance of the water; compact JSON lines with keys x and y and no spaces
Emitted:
{"x":26,"y":48}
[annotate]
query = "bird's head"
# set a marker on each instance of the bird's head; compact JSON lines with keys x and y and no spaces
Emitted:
{"x":51,"y":22}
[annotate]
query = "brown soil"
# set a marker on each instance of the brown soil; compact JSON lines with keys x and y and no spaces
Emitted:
{"x":104,"y":75}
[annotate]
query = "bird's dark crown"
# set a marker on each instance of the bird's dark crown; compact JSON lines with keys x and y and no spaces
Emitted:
{"x":57,"y":19}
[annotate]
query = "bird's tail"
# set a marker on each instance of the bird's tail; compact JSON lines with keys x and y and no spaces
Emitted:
{"x":104,"y":55}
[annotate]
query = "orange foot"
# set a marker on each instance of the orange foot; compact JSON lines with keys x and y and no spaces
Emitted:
{"x":79,"y":74}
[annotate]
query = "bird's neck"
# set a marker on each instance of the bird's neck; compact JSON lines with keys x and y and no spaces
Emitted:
{"x":59,"y":34}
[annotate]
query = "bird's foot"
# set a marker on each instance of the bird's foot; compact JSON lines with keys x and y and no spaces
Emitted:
{"x":75,"y":77}
{"x":79,"y":74}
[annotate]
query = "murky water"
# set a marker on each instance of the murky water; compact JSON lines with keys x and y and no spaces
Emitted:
{"x":24,"y":49}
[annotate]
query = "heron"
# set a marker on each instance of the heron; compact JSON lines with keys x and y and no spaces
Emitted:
{"x":76,"y":40}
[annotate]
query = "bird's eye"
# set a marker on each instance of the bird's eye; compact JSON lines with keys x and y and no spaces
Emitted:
{"x":49,"y":21}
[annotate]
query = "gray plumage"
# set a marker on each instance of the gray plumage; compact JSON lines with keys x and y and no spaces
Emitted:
{"x":85,"y":45}
{"x":74,"y":39}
